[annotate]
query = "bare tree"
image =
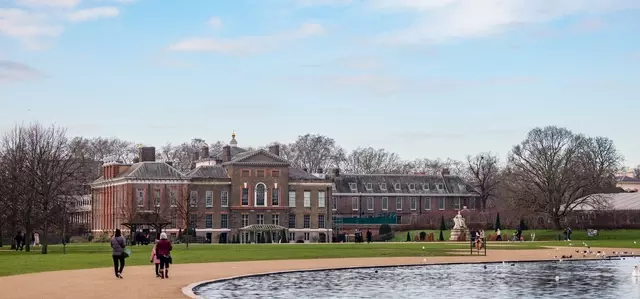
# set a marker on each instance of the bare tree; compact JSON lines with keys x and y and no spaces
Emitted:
{"x":100,"y":149}
{"x":181,"y":155}
{"x":369,"y":160}
{"x":312,"y":151}
{"x":553,"y":171}
{"x":186,"y":209}
{"x":482,"y":173}
{"x":636,"y":172}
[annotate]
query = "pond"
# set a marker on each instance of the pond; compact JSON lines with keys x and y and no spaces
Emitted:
{"x":577,"y":279}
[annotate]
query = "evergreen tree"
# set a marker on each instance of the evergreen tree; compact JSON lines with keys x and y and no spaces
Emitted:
{"x":498,"y":226}
{"x":443,"y":227}
{"x":408,"y":236}
{"x":441,"y":236}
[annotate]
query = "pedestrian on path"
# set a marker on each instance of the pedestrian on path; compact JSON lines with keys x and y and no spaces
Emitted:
{"x":163,"y":250}
{"x":155,"y":259}
{"x":118,"y":245}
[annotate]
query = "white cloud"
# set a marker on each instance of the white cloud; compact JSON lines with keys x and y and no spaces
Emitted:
{"x":440,"y":20}
{"x":49,"y":3}
{"x":15,"y":71}
{"x":21,"y":24}
{"x":215,"y":22}
{"x":94,"y":13}
{"x":246,"y":44}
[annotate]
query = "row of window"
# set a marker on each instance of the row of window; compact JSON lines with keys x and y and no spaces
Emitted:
{"x":208,"y":199}
{"x":260,"y":219}
{"x":259,"y":173}
{"x":396,"y":187}
{"x":413,"y":202}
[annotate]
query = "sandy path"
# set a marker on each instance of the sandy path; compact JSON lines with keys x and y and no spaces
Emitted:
{"x":140,"y":281}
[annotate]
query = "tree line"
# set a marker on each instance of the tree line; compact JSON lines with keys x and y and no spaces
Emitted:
{"x":552,"y":171}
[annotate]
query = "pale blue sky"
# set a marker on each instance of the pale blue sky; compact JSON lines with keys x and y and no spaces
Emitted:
{"x":430,"y":78}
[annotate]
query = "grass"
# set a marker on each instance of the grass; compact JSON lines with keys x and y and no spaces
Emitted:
{"x":97,"y":255}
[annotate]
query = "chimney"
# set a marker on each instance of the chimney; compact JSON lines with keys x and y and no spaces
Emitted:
{"x":147,"y":154}
{"x":275,"y":149}
{"x":336,"y":171}
{"x":226,"y":153}
{"x":170,"y":163}
{"x":445,"y":171}
{"x":205,"y":152}
{"x":320,"y":170}
{"x":196,"y":156}
{"x":305,"y":169}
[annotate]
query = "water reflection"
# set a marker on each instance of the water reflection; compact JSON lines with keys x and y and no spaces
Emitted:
{"x":584,"y":279}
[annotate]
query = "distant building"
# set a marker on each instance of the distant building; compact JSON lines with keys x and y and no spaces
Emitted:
{"x":628,"y":183}
{"x":237,"y":194}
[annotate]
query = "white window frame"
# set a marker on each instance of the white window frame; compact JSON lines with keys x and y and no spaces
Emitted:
{"x":397,"y":187}
{"x":353,"y":187}
{"x":140,"y":201}
{"x":427,"y":201}
{"x":224,"y":198}
{"x":245,"y":220}
{"x":412,"y":187}
{"x":440,"y":186}
{"x":307,"y":199}
{"x":383,"y":186}
{"x":265,"y":194}
{"x":321,"y":199}
{"x":208,"y":199}
{"x":356,"y":206}
{"x":385,"y":203}
{"x":206,"y":217}
{"x":259,"y":218}
{"x":323,"y":223}
{"x":425,"y":187}
{"x":275,"y":194}
{"x":307,"y":237}
{"x":458,"y":203}
{"x":368,"y":186}
{"x":413,"y":203}
{"x":222,"y":216}
{"x":275,"y":219}
{"x":442,"y":203}
{"x":292,"y":199}
{"x":399,"y":201}
{"x":193,"y":198}
{"x":334,"y":203}
{"x":304,"y":222}
{"x":370,"y":205}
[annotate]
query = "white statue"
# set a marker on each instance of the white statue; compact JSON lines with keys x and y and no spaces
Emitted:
{"x":459,"y":222}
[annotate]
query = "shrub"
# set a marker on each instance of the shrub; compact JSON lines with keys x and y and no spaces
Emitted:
{"x":300,"y":241}
{"x":423,"y":236}
{"x":384,"y":229}
{"x":102,"y":238}
{"x":77,"y":239}
{"x":386,"y":237}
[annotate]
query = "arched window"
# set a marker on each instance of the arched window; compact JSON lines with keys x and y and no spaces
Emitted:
{"x":261,"y":195}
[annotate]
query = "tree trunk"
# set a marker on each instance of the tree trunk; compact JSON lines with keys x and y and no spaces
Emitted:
{"x":44,"y":240}
{"x":556,"y":222}
{"x":64,"y":235}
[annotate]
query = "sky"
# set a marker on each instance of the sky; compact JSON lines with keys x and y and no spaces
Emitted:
{"x":422,"y":78}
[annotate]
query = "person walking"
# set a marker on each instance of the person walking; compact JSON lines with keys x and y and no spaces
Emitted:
{"x":155,"y":259}
{"x":498,"y":235}
{"x":118,"y":244}
{"x":163,"y":250}
{"x":19,"y":241}
{"x":36,"y":239}
{"x":369,"y":236}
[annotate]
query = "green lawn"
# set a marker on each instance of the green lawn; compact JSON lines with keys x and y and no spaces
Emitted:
{"x":541,"y":235}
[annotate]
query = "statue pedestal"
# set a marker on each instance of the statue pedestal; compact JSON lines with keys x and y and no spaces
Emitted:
{"x":456,"y":232}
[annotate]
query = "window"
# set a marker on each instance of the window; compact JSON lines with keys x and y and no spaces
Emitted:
{"x":397,"y":187}
{"x":320,"y":221}
{"x":208,"y":221}
{"x":334,"y":203}
{"x":224,"y":198}
{"x":292,"y":221}
{"x":456,"y":203}
{"x":355,"y":203}
{"x":245,"y":173}
{"x":260,"y":218}
{"x":209,"y":199}
{"x":307,"y":199}
{"x":275,"y":173}
{"x":383,"y":186}
{"x":321,"y":201}
{"x":307,"y":221}
{"x":368,"y":186}
{"x":173,"y":194}
{"x":398,"y":203}
{"x":440,"y":186}
{"x":245,"y":220}
{"x":224,"y":221}
{"x":245,"y":196}
{"x":275,"y":219}
{"x":261,"y":195}
{"x":412,"y":187}
{"x":275,"y":197}
{"x":441,"y":203}
{"x":427,"y":203}
{"x":370,"y":203}
{"x":425,"y":187}
{"x":141,"y":197}
{"x":385,"y":203}
{"x":353,"y":187}
{"x":157,"y":196}
{"x":414,"y":204}
{"x":472,"y":203}
{"x":193,"y":199}
{"x":292,"y":237}
{"x":260,"y":173}
{"x":307,"y":236}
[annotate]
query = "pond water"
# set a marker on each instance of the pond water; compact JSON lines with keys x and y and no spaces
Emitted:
{"x":600,"y":279}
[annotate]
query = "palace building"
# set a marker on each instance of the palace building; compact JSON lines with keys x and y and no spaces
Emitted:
{"x":233,"y":195}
